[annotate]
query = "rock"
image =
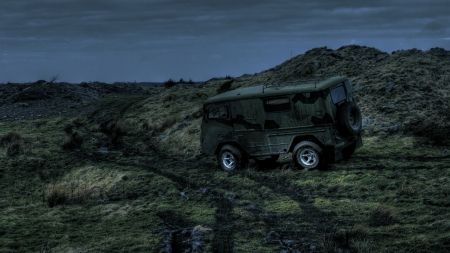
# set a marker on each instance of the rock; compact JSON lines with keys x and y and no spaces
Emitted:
{"x":162,"y":137}
{"x":198,"y":235}
{"x":389,"y":107}
{"x":272,"y":237}
{"x":179,"y":127}
{"x":316,"y":64}
{"x":165,"y":245}
{"x":103,"y":150}
{"x":367,"y":122}
{"x":389,"y":86}
{"x":381,"y":57}
{"x":188,"y":118}
{"x":393,"y":128}
{"x":357,"y":87}
{"x":183,"y":194}
{"x":23,"y":105}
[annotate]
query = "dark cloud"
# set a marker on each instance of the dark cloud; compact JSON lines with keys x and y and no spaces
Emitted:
{"x":199,"y":38}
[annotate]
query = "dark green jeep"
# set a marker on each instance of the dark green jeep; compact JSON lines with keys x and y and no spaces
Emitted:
{"x":317,"y":122}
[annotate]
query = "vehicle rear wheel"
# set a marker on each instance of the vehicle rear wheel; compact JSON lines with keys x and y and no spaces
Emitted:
{"x":231,"y":158}
{"x":307,"y":155}
{"x":349,"y":118}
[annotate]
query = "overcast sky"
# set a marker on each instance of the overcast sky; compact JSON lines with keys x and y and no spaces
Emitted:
{"x":154,"y":40}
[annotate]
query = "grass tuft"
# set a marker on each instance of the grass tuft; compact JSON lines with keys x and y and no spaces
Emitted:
{"x":74,"y":141}
{"x":69,"y":194}
{"x":167,"y":122}
{"x":382,"y":215}
{"x":14,"y":144}
{"x":360,"y":231}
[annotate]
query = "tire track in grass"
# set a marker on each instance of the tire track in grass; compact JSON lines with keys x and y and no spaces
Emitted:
{"x":223,"y":226}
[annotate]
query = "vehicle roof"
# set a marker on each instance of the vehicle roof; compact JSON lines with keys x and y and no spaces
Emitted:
{"x":283,"y":89}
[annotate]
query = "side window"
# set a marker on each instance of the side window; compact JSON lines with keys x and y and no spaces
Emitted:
{"x":218,"y":112}
{"x":338,"y":94}
{"x":277,"y":104}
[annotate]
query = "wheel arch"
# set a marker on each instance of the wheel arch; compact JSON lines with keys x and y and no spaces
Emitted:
{"x":298,"y":139}
{"x":234,"y":143}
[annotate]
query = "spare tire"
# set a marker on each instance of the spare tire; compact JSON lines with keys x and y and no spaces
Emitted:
{"x":349,"y":118}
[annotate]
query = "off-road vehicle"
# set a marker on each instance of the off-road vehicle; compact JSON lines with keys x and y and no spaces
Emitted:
{"x":318,"y":122}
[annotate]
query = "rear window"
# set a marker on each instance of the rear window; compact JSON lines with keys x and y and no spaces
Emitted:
{"x":338,"y":94}
{"x":277,"y":104}
{"x":218,"y":112}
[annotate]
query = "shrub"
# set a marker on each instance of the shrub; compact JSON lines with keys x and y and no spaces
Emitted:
{"x":225,"y":86}
{"x":115,"y":129}
{"x":169,"y":83}
{"x":56,"y":196}
{"x":14,"y":144}
{"x":146,"y":126}
{"x":74,"y":141}
{"x":38,"y":123}
{"x":360,"y":231}
{"x":11,"y":137}
{"x":118,"y":131}
{"x":69,"y":194}
{"x":353,"y":240}
{"x":382,"y":215}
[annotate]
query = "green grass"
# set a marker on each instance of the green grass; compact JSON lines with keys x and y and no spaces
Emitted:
{"x":391,"y":196}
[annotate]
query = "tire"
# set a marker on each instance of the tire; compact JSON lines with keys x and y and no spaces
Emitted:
{"x":231,"y":158}
{"x":349,"y":118}
{"x":308,"y":155}
{"x":347,"y":152}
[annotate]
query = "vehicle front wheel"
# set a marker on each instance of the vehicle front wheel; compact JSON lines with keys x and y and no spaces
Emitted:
{"x":231,"y":158}
{"x":307,"y":155}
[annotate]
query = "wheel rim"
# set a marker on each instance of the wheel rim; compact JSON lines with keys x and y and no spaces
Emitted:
{"x":228,"y":160}
{"x":308,"y":157}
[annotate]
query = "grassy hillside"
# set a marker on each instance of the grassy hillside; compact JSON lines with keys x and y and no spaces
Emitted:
{"x":126,"y":193}
{"x":124,"y":175}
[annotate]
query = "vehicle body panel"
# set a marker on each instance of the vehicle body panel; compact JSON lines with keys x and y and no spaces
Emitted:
{"x":264,"y":121}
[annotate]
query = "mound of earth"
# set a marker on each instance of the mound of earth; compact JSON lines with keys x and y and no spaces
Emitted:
{"x":42,"y":99}
{"x":406,"y":92}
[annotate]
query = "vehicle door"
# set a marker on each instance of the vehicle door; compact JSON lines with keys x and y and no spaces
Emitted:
{"x":248,"y":121}
{"x":279,"y":123}
{"x":216,"y":126}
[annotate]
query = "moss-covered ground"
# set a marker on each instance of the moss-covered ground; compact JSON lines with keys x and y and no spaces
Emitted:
{"x":124,"y":180}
